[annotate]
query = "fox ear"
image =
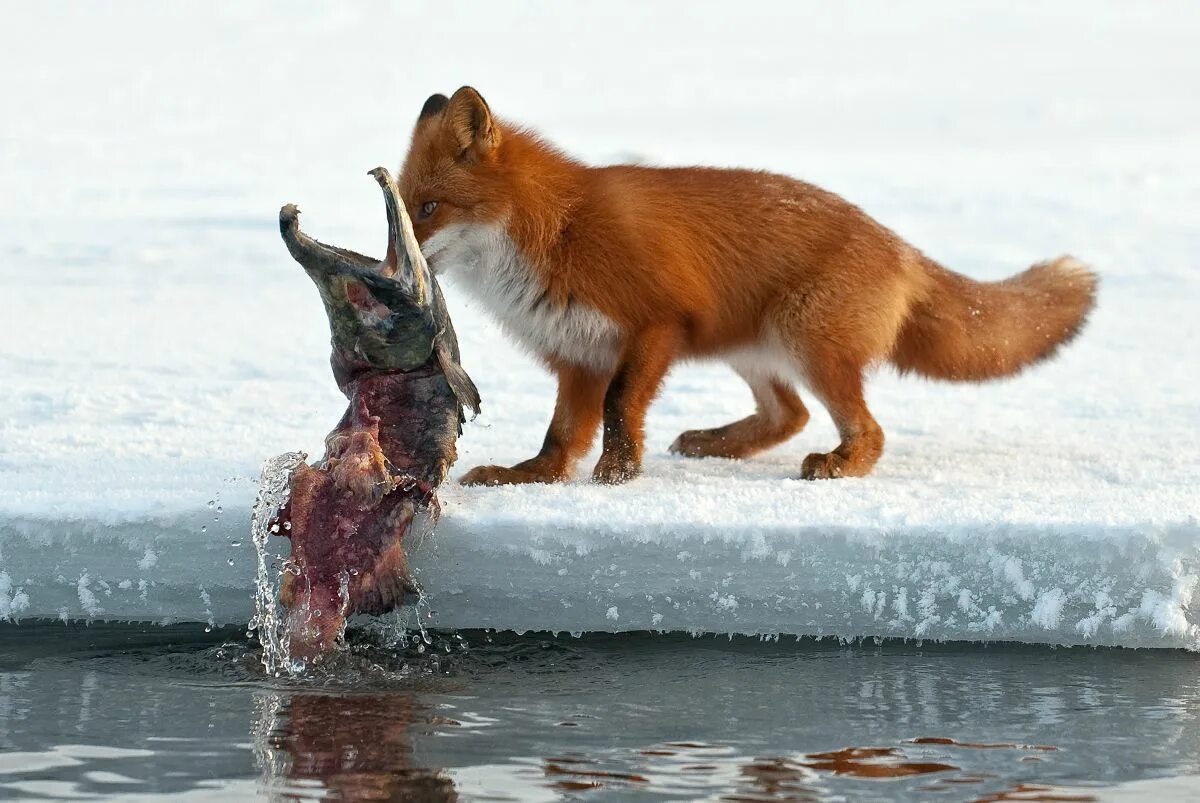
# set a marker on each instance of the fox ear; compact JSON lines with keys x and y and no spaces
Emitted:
{"x":433,"y":106}
{"x":469,"y":122}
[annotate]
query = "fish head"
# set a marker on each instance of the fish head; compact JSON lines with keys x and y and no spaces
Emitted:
{"x":384,"y":315}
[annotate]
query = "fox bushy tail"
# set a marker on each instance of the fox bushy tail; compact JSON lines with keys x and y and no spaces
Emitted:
{"x":968,"y":331}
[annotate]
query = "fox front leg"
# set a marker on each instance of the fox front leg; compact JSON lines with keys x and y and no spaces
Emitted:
{"x":577,"y":414}
{"x":644,"y":363}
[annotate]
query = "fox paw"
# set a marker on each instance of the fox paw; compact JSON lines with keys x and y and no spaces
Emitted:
{"x":819,"y":466}
{"x":701,"y":443}
{"x":503,"y":475}
{"x":614,"y":470}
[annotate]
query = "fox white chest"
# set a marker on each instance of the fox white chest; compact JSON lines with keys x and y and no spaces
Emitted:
{"x":484,"y":261}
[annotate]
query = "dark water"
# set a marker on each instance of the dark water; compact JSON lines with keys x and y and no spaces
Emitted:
{"x":131,"y":713}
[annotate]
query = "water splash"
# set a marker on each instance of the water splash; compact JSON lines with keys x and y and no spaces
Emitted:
{"x":343,"y":608}
{"x":274,"y":487}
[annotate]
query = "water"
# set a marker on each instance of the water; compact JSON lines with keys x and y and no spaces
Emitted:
{"x":130,"y":713}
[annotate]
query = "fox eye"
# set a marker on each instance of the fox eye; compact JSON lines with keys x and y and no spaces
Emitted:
{"x":428,"y":208}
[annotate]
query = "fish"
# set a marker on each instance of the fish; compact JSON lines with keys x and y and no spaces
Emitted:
{"x":395,"y":356}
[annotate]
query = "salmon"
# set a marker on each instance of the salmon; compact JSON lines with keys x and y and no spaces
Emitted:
{"x":395,"y":357}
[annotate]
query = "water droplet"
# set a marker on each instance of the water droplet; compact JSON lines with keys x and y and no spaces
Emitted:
{"x":203,"y":528}
{"x":211,"y":502}
{"x":229,"y":561}
{"x":208,"y":628}
{"x":287,"y":525}
{"x":235,"y":543}
{"x":220,"y":509}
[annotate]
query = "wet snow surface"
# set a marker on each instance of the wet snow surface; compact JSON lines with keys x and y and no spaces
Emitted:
{"x":157,"y":343}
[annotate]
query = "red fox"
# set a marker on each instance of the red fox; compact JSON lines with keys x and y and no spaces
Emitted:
{"x":611,"y":274}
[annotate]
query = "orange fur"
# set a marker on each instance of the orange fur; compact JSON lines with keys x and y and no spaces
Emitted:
{"x":612,"y":274}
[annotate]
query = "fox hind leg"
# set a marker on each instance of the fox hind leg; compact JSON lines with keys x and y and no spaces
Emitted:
{"x":832,"y":333}
{"x":779,"y":415}
{"x":838,"y":384}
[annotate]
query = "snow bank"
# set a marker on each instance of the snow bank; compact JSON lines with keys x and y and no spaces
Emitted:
{"x":157,"y":343}
{"x":1084,"y":583}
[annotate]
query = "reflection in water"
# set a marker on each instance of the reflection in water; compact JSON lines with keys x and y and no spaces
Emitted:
{"x":872,"y":762}
{"x":1038,"y":792}
{"x":775,"y":779}
{"x":352,"y":746}
{"x":674,"y":767}
{"x":359,"y":748}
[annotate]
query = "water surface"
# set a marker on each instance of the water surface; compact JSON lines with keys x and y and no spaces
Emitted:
{"x":153,"y":713}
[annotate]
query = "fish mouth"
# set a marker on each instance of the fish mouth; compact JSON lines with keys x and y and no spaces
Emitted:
{"x":401,"y":280}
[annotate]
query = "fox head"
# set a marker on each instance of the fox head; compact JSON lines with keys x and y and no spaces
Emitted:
{"x":453,"y":176}
{"x":471,"y":182}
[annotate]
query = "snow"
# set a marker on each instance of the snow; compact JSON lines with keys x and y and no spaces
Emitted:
{"x":157,"y":344}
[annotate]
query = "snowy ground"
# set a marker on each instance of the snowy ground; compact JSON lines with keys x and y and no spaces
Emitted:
{"x":157,"y":343}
